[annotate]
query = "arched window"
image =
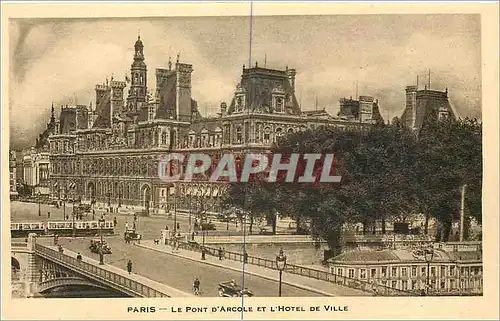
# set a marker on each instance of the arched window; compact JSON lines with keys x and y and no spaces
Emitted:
{"x":279,"y":134}
{"x":267,"y":135}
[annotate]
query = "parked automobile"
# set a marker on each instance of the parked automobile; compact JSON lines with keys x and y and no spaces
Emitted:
{"x":230,"y":289}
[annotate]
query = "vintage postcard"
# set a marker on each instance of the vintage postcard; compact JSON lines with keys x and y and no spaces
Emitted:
{"x":249,"y":161}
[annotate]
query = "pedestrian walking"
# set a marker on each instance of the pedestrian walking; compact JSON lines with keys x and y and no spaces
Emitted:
{"x":135,"y":217}
{"x":220,"y":253}
{"x":245,"y":257}
{"x":196,"y":286}
{"x":48,"y":214}
{"x":56,"y":239}
{"x":79,"y":256}
{"x":126,"y":226}
{"x":178,"y":226}
{"x":115,"y":221}
{"x":129,"y":266}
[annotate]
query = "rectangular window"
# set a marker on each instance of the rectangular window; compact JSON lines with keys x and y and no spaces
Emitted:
{"x":443,"y":271}
{"x":394,"y":271}
{"x":339,"y":272}
{"x":362,"y":274}
{"x":452,"y":271}
{"x":414,"y":271}
{"x":423,"y":271}
{"x":404,"y":272}
{"x":373,"y":273}
{"x":404,"y":284}
{"x":394,"y":284}
{"x":443,"y":284}
{"x":351,"y":273}
{"x":384,"y":271}
{"x":433,"y":271}
{"x":414,"y":284}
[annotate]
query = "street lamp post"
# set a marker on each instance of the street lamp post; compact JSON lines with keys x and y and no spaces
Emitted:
{"x":428,"y":256}
{"x":64,"y":207}
{"x":280,"y":265}
{"x":101,"y":253}
{"x":39,"y":209}
{"x":175,"y":211}
{"x":73,"y":215}
{"x":93,"y":210}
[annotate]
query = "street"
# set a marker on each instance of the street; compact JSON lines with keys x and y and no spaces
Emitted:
{"x":175,"y":271}
{"x":171,"y":270}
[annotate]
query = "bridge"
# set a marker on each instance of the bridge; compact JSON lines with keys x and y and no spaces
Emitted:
{"x":44,"y":268}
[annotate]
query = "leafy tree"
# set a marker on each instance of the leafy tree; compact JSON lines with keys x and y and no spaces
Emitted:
{"x":449,"y":156}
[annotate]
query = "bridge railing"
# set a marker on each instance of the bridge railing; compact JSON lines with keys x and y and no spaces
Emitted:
{"x":100,"y":273}
{"x":305,"y":271}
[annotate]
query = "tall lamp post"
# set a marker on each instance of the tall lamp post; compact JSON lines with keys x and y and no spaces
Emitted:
{"x":64,"y":206}
{"x":428,"y":256}
{"x":280,"y":265}
{"x":73,"y":215}
{"x":39,"y":209}
{"x":93,"y":210}
{"x":101,"y":253}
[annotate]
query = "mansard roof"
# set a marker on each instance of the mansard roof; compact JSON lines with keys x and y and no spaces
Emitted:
{"x":103,"y":110}
{"x":167,"y":99}
{"x":258,"y":85}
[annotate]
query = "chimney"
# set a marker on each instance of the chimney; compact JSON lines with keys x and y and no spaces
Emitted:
{"x":290,"y":73}
{"x":223,"y":108}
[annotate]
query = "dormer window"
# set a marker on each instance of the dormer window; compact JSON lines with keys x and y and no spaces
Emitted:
{"x":279,"y":104}
{"x":442,"y":115}
{"x":239,"y":102}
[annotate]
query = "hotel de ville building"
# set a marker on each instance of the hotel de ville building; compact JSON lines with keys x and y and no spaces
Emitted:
{"x":109,"y":154}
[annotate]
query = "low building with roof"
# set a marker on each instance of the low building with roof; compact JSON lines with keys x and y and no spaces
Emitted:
{"x":455,"y":272}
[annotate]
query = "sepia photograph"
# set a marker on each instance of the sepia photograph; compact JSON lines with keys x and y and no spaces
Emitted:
{"x":246,"y":156}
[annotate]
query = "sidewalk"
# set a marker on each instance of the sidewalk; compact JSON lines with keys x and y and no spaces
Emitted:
{"x":321,"y":287}
{"x":133,"y":276}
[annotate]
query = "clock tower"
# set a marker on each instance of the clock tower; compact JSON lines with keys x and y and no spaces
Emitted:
{"x":138,"y":87}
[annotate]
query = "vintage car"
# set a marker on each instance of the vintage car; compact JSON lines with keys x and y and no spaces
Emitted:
{"x":131,"y":235}
{"x":95,"y":245}
{"x":208,"y":226}
{"x":230,"y":289}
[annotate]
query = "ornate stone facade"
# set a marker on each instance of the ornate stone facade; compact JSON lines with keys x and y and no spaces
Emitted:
{"x":111,"y":154}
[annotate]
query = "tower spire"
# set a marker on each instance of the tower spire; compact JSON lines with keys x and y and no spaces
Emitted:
{"x":52,"y":116}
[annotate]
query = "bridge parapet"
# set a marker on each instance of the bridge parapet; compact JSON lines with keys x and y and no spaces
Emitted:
{"x":119,"y":280}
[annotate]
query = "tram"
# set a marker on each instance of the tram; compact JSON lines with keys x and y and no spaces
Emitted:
{"x":61,"y":228}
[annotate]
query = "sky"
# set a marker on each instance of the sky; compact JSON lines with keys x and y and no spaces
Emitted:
{"x":61,"y":60}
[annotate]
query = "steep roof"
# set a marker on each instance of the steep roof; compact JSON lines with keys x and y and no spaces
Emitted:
{"x":259,"y":84}
{"x":103,"y":110}
{"x":167,"y":98}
